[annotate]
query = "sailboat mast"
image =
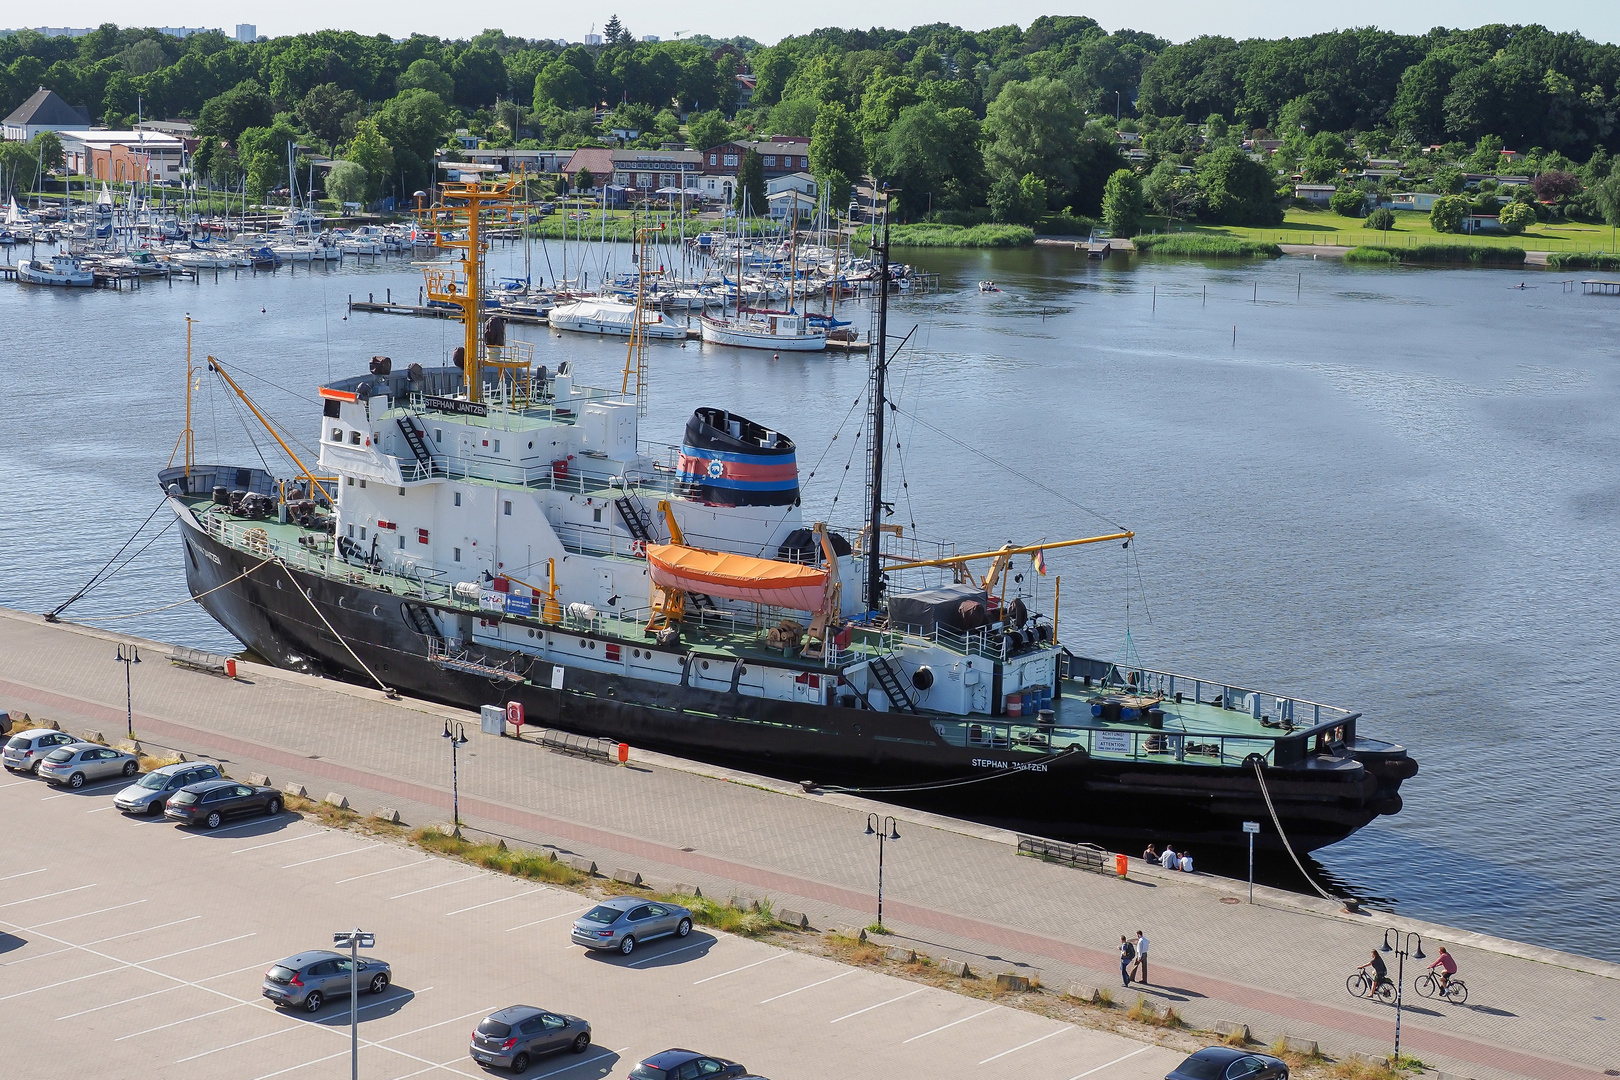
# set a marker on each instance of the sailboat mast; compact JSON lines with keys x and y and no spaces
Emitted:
{"x":874,"y":536}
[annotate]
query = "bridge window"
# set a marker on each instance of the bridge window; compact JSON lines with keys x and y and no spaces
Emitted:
{"x":337,"y":434}
{"x":456,"y":554}
{"x":354,"y":438}
{"x":508,"y":508}
{"x":458,"y":498}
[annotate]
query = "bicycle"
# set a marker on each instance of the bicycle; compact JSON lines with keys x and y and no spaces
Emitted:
{"x":1429,"y":986}
{"x":1361,"y":985}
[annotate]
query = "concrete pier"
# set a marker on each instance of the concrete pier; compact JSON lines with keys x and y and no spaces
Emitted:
{"x":952,"y":890}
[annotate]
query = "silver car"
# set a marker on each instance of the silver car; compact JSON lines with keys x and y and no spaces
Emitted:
{"x":307,"y":980}
{"x":623,"y":921}
{"x":148,"y":794}
{"x":27,"y":749}
{"x":77,"y":764}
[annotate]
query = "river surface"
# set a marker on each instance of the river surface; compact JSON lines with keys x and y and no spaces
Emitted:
{"x":1394,"y":490}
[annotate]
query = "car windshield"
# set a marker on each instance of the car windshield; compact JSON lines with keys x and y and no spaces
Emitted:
{"x":494,"y":1029}
{"x":152,"y":780}
{"x":281,"y":973}
{"x":647,"y":1072}
{"x":185,"y":798}
{"x":18,"y":742}
{"x":603,"y":914}
{"x":1202,"y":1068}
{"x":64,"y":754}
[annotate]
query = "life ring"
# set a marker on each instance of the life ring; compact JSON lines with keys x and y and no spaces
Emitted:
{"x":638,"y":548}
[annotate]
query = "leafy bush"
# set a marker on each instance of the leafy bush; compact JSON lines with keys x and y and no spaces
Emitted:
{"x":1220,"y":247}
{"x":1448,"y":213}
{"x":1066,"y":224}
{"x":1516,"y":217}
{"x":1372,"y":255}
{"x":1348,"y":201}
{"x":1583,"y":260}
{"x":517,"y":862}
{"x":1382,"y":219}
{"x":953,"y":236}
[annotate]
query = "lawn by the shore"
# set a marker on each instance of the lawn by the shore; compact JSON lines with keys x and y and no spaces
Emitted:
{"x":1326,"y":227}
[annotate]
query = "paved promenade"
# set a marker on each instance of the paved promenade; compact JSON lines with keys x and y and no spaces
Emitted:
{"x":1279,"y":965}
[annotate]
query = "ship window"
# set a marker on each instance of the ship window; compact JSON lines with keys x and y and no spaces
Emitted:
{"x":402,"y":491}
{"x":354,"y":437}
{"x":349,"y":480}
{"x":597,"y":513}
{"x":508,"y":508}
{"x":438,"y":435}
{"x":337,"y":434}
{"x":362,"y":532}
{"x":456,"y":553}
{"x":402,"y":543}
{"x":458,"y":498}
{"x":362,"y":483}
{"x":351,"y":532}
{"x":497,"y":446}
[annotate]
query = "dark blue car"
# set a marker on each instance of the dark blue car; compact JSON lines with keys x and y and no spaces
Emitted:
{"x":685,"y":1065}
{"x":1229,"y":1063}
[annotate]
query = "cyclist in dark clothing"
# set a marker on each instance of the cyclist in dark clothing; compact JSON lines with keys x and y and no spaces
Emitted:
{"x":1380,"y":973}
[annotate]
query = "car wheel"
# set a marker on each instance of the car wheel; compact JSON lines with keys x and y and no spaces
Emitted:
{"x":76,"y":781}
{"x":131,"y":767}
{"x":155,"y":808}
{"x":379,"y":983}
{"x":684,"y":928}
{"x":313,"y":1002}
{"x":520,"y":1064}
{"x":628,"y":945}
{"x":582,"y":1042}
{"x":212,"y":821}
{"x":34,"y":768}
{"x":273,"y":807}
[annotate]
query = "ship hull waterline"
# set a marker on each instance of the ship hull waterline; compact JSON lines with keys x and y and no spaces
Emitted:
{"x":1062,"y":796}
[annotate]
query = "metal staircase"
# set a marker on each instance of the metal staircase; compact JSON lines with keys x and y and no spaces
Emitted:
{"x":636,"y":526}
{"x":413,"y":435}
{"x":890,"y":682}
{"x":420,"y":620}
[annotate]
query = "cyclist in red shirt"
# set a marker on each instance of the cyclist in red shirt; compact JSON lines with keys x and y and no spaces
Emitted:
{"x":1447,"y":965}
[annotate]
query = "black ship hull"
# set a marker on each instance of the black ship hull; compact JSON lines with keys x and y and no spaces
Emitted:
{"x":1068,"y":796}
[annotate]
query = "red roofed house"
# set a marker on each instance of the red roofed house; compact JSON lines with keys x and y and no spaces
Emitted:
{"x":596,"y":160}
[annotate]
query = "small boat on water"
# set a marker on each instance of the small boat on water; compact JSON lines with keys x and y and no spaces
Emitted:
{"x":988,"y":286}
{"x":61,"y":269}
{"x":612,"y":317}
{"x":754,"y":329}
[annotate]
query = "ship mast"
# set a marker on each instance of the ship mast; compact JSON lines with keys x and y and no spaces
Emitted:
{"x":465,"y":201}
{"x":880,"y":366}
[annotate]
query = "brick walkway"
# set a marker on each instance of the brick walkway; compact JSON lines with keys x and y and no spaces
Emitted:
{"x":1278,"y":966}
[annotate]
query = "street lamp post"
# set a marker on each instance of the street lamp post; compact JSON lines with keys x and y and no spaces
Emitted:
{"x":1402,"y":948}
{"x":458,"y":738}
{"x":131,"y":658}
{"x":356,"y":940}
{"x":883,"y":829}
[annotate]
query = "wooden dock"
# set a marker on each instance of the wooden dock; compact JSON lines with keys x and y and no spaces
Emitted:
{"x":1596,"y":287}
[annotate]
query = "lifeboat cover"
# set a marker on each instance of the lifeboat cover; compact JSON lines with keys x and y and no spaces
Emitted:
{"x":737,"y":577}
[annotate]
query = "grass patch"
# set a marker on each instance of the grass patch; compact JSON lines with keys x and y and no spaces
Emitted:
{"x":334,"y":816}
{"x":150,"y":762}
{"x":516,"y":862}
{"x":1295,"y":1060}
{"x":1362,"y":1070}
{"x":878,"y":928}
{"x":1310,"y":226}
{"x":1145,"y":1012}
{"x":1584,"y":260}
{"x":1066,"y":224}
{"x":1236,"y":1037}
{"x":1375,"y":256}
{"x":1473,"y":254}
{"x":712,"y":913}
{"x":853,"y":950}
{"x":1206,"y":246}
{"x":1105,"y":998}
{"x":953,"y":236}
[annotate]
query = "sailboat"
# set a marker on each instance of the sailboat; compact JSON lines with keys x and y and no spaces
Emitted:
{"x":763,"y":328}
{"x":485,"y":531}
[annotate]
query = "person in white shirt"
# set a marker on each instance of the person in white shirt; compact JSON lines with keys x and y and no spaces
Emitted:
{"x":1168,"y":859}
{"x":1140,"y":967}
{"x":1186,"y":863}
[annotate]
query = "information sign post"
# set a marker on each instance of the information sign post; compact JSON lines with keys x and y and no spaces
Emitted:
{"x":1251,"y":827}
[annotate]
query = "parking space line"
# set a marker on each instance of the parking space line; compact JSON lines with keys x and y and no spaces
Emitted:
{"x":662,"y":955}
{"x":177,"y":1023}
{"x":244,"y":1042}
{"x":64,"y":982}
{"x":109,"y":785}
{"x":323,"y":858}
{"x":231,"y":828}
{"x":15,"y":783}
{"x":1019,"y":1047}
{"x":430,"y":1068}
{"x":1116,"y":1061}
{"x":47,"y":896}
{"x":126,"y":1001}
{"x":581,"y":1061}
{"x":305,"y":1065}
{"x":952,"y":1024}
{"x":194,"y":948}
{"x":85,"y":915}
{"x":441,"y":1023}
{"x":275,"y":843}
{"x":440,"y":885}
{"x":745,"y":967}
{"x":25,"y":873}
{"x":98,"y":941}
{"x":236,"y":971}
{"x":548,"y":918}
{"x":489,"y":903}
{"x":390,"y":870}
{"x":879,"y":1005}
{"x":812,"y":986}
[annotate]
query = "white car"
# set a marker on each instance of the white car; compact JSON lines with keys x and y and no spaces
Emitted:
{"x":76,"y":764}
{"x":150,"y":794}
{"x":27,"y":749}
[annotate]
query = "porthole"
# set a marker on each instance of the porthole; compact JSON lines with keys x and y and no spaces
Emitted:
{"x":742,"y":671}
{"x":705,"y":665}
{"x":582,"y":643}
{"x":531,"y":633}
{"x":593,"y":645}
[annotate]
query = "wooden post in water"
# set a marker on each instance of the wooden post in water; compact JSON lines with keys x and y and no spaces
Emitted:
{"x":1155,"y":298}
{"x":1234,"y":335}
{"x":1256,"y":298}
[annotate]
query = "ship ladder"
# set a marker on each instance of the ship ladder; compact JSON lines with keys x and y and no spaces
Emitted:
{"x":634,"y":523}
{"x":891,"y":684}
{"x":413,"y":435}
{"x":420,"y":621}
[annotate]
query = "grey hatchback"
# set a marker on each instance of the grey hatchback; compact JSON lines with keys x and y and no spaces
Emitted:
{"x":512,"y":1037}
{"x":148,"y":794}
{"x":623,"y":921}
{"x":305,"y":981}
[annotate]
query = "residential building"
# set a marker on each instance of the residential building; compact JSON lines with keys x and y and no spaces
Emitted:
{"x":650,"y":38}
{"x":43,"y":111}
{"x":246,"y":32}
{"x":1413,"y":200}
{"x":784,"y":203}
{"x":508,"y":159}
{"x":647,"y":172}
{"x":1315,"y":194}
{"x":1475,"y":223}
{"x":596,"y":160}
{"x":124,"y":156}
{"x":745,"y":90}
{"x":593,"y":39}
{"x":802,"y":182}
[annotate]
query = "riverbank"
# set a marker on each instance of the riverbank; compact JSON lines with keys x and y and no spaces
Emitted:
{"x":953,"y":890}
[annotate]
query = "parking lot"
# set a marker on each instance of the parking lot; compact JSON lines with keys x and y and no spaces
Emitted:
{"x":136,"y":948}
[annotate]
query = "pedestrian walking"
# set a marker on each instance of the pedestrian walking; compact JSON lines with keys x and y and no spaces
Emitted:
{"x":1140,"y":967}
{"x":1127,"y":954}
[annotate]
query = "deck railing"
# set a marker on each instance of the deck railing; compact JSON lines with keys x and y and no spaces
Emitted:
{"x":1214,"y":748}
{"x":1286,"y":712}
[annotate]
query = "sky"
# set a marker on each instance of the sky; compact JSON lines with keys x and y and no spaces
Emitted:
{"x":1176,"y":20}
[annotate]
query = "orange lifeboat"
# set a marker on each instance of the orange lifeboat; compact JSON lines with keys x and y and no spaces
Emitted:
{"x":737,"y":577}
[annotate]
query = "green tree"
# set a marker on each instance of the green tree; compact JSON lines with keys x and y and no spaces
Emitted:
{"x":1348,"y":201}
{"x":415,"y":123}
{"x":263,"y":154}
{"x":707,"y":129}
{"x":1607,"y":195}
{"x":369,"y":150}
{"x":1448,"y":213}
{"x":329,"y":112}
{"x":46,"y":146}
{"x":1122,"y":203}
{"x":478,"y":77}
{"x":1516,"y":217}
{"x":229,"y":114}
{"x":1171,"y":191}
{"x":347,"y":182}
{"x":562,"y":84}
{"x":931,"y":156}
{"x":1239,"y":190}
{"x":1034,"y":127}
{"x":795,"y":116}
{"x":1326,"y":157}
{"x":424,"y":74}
{"x":1382,"y":219}
{"x":1449,"y":180}
{"x":1018,"y":201}
{"x":583,"y":180}
{"x":835,"y":151}
{"x":143,"y":57}
{"x":751,"y":185}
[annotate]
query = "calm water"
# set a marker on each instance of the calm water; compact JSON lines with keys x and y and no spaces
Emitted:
{"x":1397,"y":490}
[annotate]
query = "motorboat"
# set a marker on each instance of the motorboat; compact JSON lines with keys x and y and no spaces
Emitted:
{"x":599,"y":316}
{"x":59,"y":269}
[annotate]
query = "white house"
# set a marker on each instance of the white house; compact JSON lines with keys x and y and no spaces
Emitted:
{"x":783,"y":202}
{"x":1413,"y":200}
{"x":802,"y":182}
{"x":1315,"y":194}
{"x":43,"y":111}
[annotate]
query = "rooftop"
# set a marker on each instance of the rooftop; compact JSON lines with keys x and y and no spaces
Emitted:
{"x":46,"y":108}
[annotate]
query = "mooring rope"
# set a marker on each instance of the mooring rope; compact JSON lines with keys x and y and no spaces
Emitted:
{"x":92,"y":583}
{"x":307,"y":599}
{"x":1259,"y":765}
{"x":91,"y":621}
